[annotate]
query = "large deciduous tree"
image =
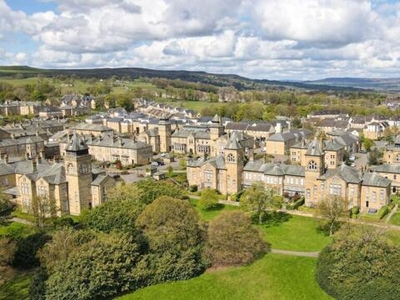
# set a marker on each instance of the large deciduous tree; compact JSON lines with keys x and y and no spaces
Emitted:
{"x":175,"y":238}
{"x":208,"y":199}
{"x":257,"y":199}
{"x":232,"y":240}
{"x":100,"y":269}
{"x":331,"y":209}
{"x":360,"y":264}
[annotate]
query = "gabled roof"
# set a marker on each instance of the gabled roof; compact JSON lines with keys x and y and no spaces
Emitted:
{"x":314,"y":148}
{"x":386,"y":168}
{"x":373,"y":179}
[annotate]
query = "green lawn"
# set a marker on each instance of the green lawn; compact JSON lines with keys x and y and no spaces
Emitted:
{"x":395,"y":219}
{"x":297,"y":233}
{"x":15,"y":229}
{"x":272,"y":277}
{"x":208,"y":215}
{"x":16,"y":288}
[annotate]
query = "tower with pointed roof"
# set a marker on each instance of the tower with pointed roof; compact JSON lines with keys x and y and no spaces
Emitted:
{"x":234,"y":162}
{"x":216,"y":128}
{"x":165,"y":132}
{"x":78,"y":174}
{"x":314,"y":168}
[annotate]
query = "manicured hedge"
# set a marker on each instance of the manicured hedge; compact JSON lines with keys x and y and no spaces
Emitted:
{"x":295,"y":205}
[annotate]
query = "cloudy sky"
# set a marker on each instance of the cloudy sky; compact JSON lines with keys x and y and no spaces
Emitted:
{"x":271,"y":39}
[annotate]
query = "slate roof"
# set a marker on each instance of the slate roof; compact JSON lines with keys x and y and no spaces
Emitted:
{"x":218,"y":162}
{"x":373,"y":179}
{"x":314,"y":148}
{"x":282,"y":137}
{"x":386,"y":168}
{"x":76,"y":143}
{"x":274,"y":169}
{"x":348,"y":174}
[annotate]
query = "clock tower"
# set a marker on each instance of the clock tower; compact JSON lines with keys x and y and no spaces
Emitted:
{"x":78,"y":168}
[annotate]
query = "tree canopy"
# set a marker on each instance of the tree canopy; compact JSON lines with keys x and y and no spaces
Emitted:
{"x":232,"y":240}
{"x":360,"y":264}
{"x":257,"y":199}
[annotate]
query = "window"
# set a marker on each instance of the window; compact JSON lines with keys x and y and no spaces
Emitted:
{"x":382,"y":195}
{"x":335,"y":189}
{"x":230,"y":158}
{"x":42,"y":191}
{"x":312,"y":165}
{"x":25,"y":188}
{"x":71,"y":169}
{"x":373,"y":196}
{"x":394,"y":176}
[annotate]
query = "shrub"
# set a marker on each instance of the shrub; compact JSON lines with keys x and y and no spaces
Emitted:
{"x":383,"y":211}
{"x":193,"y":188}
{"x":354,"y":211}
{"x":295,"y":205}
{"x":391,"y":205}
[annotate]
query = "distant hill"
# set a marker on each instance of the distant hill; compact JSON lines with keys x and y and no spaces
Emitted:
{"x":239,"y":82}
{"x":379,"y":84}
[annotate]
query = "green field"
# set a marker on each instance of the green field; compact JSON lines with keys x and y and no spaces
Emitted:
{"x":272,"y":277}
{"x":208,"y":215}
{"x":395,"y":219}
{"x":15,"y":229}
{"x":298,"y":233}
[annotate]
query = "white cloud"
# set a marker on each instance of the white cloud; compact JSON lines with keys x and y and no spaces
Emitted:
{"x":256,"y":38}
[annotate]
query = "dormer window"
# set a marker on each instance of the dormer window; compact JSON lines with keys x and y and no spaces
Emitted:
{"x":312,"y":165}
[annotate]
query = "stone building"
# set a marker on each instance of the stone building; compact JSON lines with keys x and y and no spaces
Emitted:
{"x":223,"y":172}
{"x":72,"y":185}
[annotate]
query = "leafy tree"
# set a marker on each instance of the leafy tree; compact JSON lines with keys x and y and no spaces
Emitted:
{"x":27,"y":247}
{"x":5,"y":205}
{"x":42,"y":208}
{"x":170,"y":224}
{"x":258,"y":199}
{"x":375,"y":157}
{"x":332,"y":209}
{"x":62,"y":245}
{"x":153,"y":189}
{"x":360,"y":264}
{"x":232,"y":240}
{"x":111,"y":216}
{"x":7,"y":250}
{"x":100,"y":269}
{"x":208,"y":199}
{"x":175,"y":238}
{"x":368,"y":143}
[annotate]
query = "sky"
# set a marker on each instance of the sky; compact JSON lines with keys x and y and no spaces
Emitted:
{"x":261,"y":39}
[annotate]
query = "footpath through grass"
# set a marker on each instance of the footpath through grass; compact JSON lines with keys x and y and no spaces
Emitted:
{"x":272,"y":277}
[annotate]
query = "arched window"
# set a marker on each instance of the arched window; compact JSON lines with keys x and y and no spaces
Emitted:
{"x":312,"y":165}
{"x":71,"y":169}
{"x":231,"y":158}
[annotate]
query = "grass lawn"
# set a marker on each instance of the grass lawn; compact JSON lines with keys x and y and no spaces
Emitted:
{"x":395,"y":219}
{"x":15,"y":229}
{"x":16,"y":288}
{"x":295,"y":233}
{"x":208,"y":215}
{"x":272,"y":277}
